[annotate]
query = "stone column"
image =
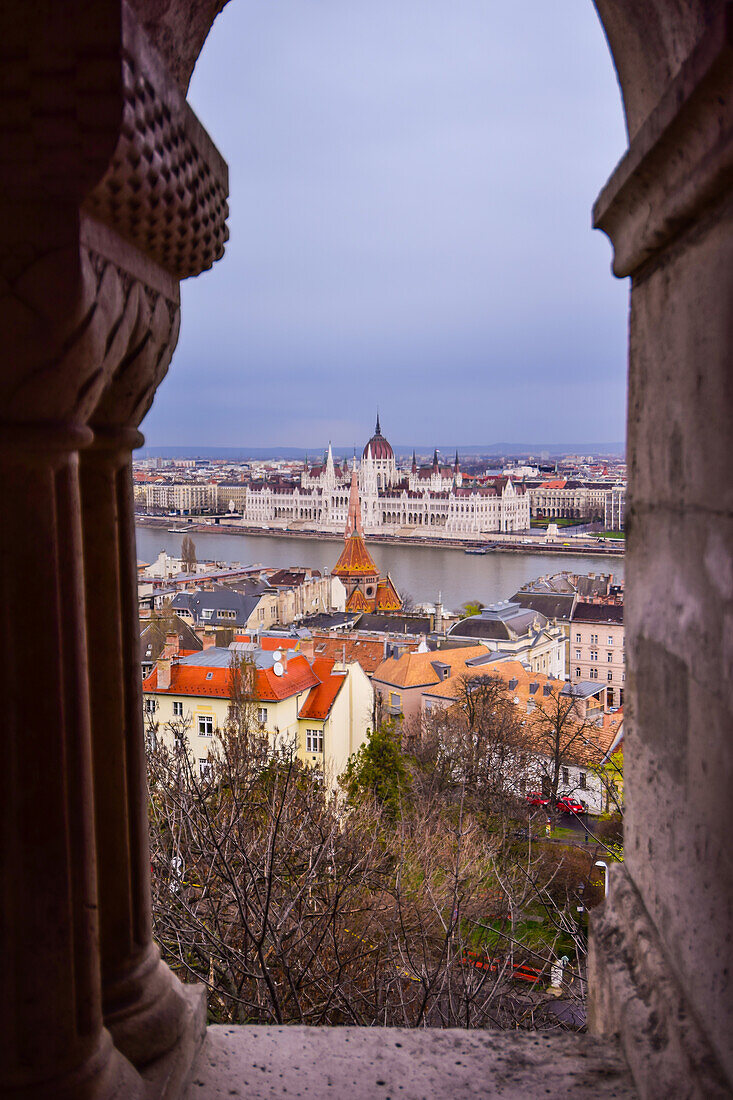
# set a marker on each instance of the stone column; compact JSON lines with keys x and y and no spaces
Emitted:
{"x":660,"y":950}
{"x":144,"y":1004}
{"x":53,"y":1040}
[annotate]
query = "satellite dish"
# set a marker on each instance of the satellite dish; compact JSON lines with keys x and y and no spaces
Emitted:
{"x":277,"y":655}
{"x":277,"y":668}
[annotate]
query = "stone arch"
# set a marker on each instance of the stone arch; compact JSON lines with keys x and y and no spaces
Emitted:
{"x":91,"y":296}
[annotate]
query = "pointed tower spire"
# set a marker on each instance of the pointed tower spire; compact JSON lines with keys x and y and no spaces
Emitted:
{"x":414,"y":461}
{"x":377,"y":430}
{"x":435,"y":459}
{"x":353,"y":522}
{"x":457,"y":465}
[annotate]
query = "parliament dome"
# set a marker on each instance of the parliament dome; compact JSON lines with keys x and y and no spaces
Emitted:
{"x":378,"y":447}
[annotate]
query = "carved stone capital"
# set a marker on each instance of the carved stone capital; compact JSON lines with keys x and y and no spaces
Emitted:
{"x":165,"y":189}
{"x":680,"y":162}
{"x":98,"y":230}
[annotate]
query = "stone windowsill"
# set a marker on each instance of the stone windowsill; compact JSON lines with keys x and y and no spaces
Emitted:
{"x":402,"y":1064}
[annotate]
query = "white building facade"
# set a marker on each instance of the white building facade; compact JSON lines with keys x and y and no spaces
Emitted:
{"x":433,"y":497}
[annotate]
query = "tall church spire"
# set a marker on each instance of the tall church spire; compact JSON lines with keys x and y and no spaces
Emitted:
{"x":353,"y":522}
{"x":414,"y":461}
{"x":377,"y":430}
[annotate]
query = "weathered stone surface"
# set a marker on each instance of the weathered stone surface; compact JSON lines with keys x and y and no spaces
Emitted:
{"x":384,"y":1063}
{"x":635,"y":994}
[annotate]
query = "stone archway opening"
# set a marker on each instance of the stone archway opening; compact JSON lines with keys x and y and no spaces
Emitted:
{"x":93,"y":250}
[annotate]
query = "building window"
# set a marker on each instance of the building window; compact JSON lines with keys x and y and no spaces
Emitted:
{"x":177,"y":708}
{"x":151,"y":705}
{"x":314,"y":740}
{"x":204,"y":768}
{"x":206,"y":725}
{"x":577,"y":637}
{"x":610,"y":639}
{"x":581,"y":781}
{"x":593,"y":674}
{"x":609,"y":657}
{"x":566,"y":776}
{"x":577,"y":654}
{"x":594,"y":655}
{"x":262,"y":715}
{"x":594,"y":639}
{"x":395,"y":700}
{"x":577,"y":674}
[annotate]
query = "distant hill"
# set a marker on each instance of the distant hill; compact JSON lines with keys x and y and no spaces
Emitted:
{"x":469,"y":450}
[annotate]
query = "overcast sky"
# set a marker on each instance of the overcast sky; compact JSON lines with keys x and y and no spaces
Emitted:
{"x":411,"y":191}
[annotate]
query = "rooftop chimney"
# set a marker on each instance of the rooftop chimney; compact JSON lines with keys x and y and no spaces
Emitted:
{"x":172,"y":645}
{"x":163,"y":668}
{"x":208,"y":640}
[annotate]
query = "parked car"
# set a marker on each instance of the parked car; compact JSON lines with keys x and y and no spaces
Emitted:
{"x":569,"y":805}
{"x":536,"y":798}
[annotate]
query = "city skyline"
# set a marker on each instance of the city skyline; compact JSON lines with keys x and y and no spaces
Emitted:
{"x":411,"y":195}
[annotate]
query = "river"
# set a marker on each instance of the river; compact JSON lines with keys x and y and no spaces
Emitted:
{"x":423,"y":571}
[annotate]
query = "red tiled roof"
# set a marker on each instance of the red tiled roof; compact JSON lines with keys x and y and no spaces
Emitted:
{"x":270,"y":644}
{"x":216,"y":682}
{"x":321,"y":698}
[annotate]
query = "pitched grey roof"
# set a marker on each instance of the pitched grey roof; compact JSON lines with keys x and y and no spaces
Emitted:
{"x":394,"y":624}
{"x":583,"y":689}
{"x":599,"y":613}
{"x":558,"y":605}
{"x":503,"y":621}
{"x":214,"y":601}
{"x":152,"y":637}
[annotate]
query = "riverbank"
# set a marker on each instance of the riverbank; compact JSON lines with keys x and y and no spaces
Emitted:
{"x":421,"y":570}
{"x":522,"y":544}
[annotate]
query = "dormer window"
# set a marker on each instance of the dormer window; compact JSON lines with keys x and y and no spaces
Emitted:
{"x":513,"y":683}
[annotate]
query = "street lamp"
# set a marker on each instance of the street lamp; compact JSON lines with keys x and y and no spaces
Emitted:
{"x":602,"y":863}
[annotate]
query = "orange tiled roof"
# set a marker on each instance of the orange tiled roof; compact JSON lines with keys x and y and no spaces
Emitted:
{"x":556,"y":483}
{"x":589,"y":748}
{"x":387,"y":598}
{"x":357,"y":601}
{"x":355,"y":560}
{"x":416,"y":669}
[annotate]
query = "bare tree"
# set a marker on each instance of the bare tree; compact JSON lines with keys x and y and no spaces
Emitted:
{"x":188,"y":554}
{"x":560,"y":734}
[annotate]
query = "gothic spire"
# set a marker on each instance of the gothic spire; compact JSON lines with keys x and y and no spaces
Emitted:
{"x":353,"y":523}
{"x":377,"y":430}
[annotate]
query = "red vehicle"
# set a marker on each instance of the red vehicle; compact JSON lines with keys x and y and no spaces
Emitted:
{"x":536,"y":798}
{"x":569,"y":805}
